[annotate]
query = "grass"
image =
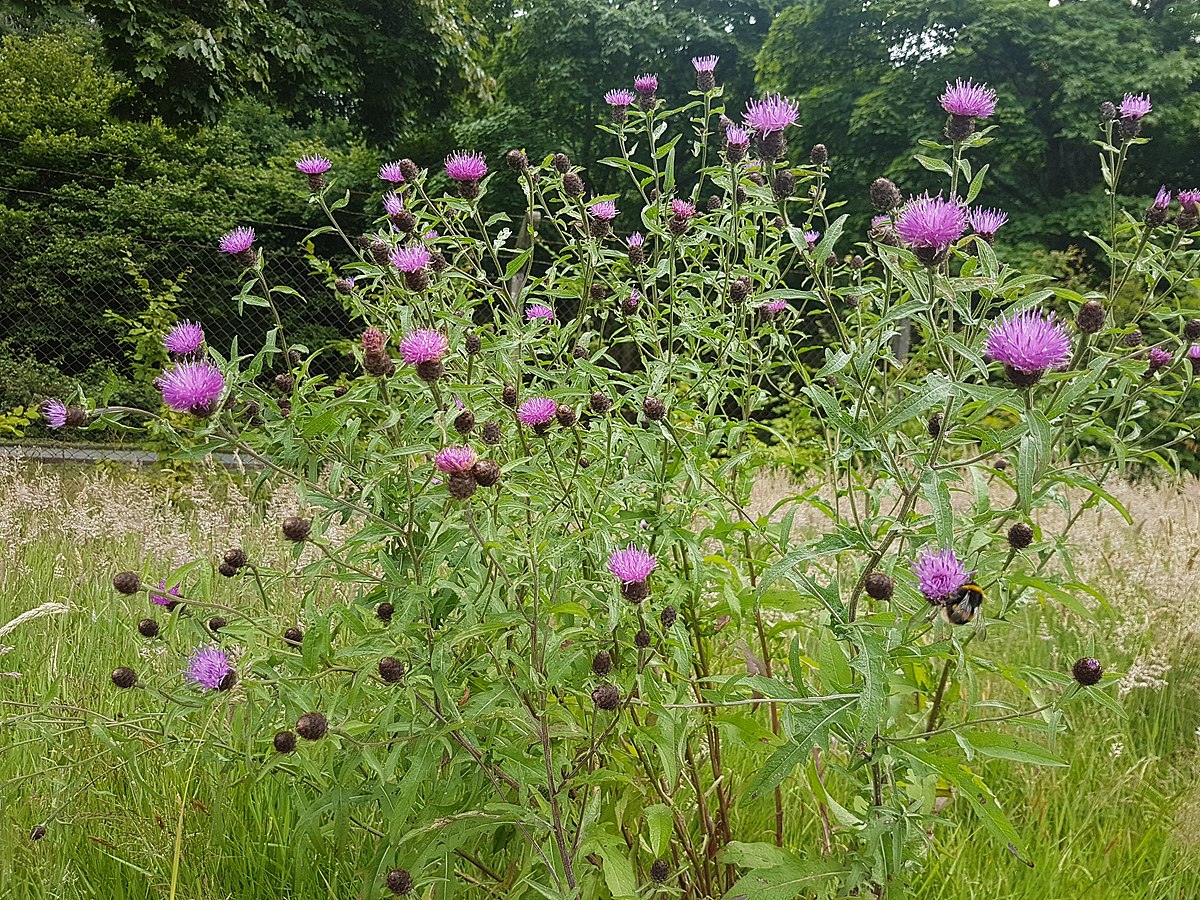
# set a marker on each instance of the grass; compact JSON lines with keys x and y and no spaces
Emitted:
{"x":129,"y":818}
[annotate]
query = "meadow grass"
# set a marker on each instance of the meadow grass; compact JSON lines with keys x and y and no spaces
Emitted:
{"x":127,"y":817}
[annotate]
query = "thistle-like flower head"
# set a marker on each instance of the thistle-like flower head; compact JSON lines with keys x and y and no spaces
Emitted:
{"x":1029,"y":342}
{"x":466,"y":165}
{"x":684,"y":209}
{"x":705,"y":63}
{"x":313,"y":165}
{"x":460,"y":459}
{"x":1135,"y":106}
{"x":537,"y":411}
{"x":604,"y":210}
{"x":737,"y":136}
{"x":931,"y":222}
{"x":423,"y":345}
{"x":237,"y":241}
{"x":192,"y":387}
{"x":646,"y":84}
{"x":965,"y":98}
{"x":391,"y":172}
{"x":54,"y":412}
{"x":539,"y":311}
{"x":620,"y":98}
{"x":771,"y":113}
{"x":184,"y":339}
{"x":412,"y":258}
{"x":631,"y":564}
{"x":393,"y":204}
{"x":208,"y":668}
{"x":939,"y":574}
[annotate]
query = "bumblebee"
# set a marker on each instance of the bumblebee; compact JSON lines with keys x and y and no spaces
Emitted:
{"x":965,"y":604}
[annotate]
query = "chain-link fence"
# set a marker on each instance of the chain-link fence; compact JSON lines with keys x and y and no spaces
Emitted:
{"x":70,"y":323}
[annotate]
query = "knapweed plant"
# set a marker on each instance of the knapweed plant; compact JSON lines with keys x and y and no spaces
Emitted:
{"x":545,"y":650}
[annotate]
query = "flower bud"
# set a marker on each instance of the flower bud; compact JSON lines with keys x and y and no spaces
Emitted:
{"x":1090,"y":318}
{"x":486,"y":472}
{"x":509,"y":396}
{"x":1108,"y":110}
{"x":602,"y":663}
{"x":1087,"y":671}
{"x":565,"y":415}
{"x":885,"y":196}
{"x":819,"y":155}
{"x":296,"y":529}
{"x":312,"y":726}
{"x":879,"y":586}
{"x":461,"y":485}
{"x":474,"y":343}
{"x":562,"y":163}
{"x":148,"y":628}
{"x":285,"y":741}
{"x":934,"y":426}
{"x":642,"y":639}
{"x":127,"y":582}
{"x":399,"y":882}
{"x":236,"y":558}
{"x":491,"y":433}
{"x":573,"y":184}
{"x":1020,"y":536}
{"x":216,"y":623}
{"x":464,"y":422}
{"x":391,"y":669}
{"x":517,"y":161}
{"x":124,"y":677}
{"x":660,"y":869}
{"x":293,"y":636}
{"x":384,"y":612}
{"x":409,"y":170}
{"x":607,"y":697}
{"x":654,"y":409}
{"x":1191,"y":330}
{"x":599,"y":403}
{"x":668,"y":616}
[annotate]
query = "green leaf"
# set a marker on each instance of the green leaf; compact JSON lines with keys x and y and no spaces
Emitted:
{"x":784,"y":882}
{"x":820,"y":253}
{"x":659,"y":824}
{"x":976,"y":184}
{"x":830,"y":543}
{"x":933,"y":165}
{"x":813,"y":723}
{"x":936,"y":391}
{"x":1008,"y":746}
{"x":618,"y":870}
{"x":937,"y":493}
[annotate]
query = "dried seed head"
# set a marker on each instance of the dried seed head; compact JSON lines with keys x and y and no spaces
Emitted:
{"x":491,"y":433}
{"x":124,"y":677}
{"x":1020,"y":536}
{"x":486,"y":472}
{"x":236,"y":558}
{"x":464,"y":422}
{"x":565,"y":415}
{"x":654,"y":409}
{"x":606,"y":696}
{"x":296,"y":529}
{"x":474,"y":343}
{"x":885,"y":196}
{"x":312,"y":726}
{"x":642,"y":639}
{"x":879,"y":586}
{"x":660,"y":870}
{"x":934,"y":425}
{"x":1087,"y":671}
{"x":1091,"y":317}
{"x":399,"y":882}
{"x":668,"y":616}
{"x":509,"y":396}
{"x":461,"y":485}
{"x":127,"y":582}
{"x":599,"y":403}
{"x":148,"y":628}
{"x":285,"y":741}
{"x":601,"y":664}
{"x":391,"y":669}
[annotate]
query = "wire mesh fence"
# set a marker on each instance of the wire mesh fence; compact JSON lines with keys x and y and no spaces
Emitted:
{"x":73,"y":324}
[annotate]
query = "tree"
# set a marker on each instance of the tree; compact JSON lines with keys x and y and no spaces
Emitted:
{"x":868,"y":77}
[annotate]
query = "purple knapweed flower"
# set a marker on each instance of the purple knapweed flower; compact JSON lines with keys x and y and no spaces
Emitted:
{"x":1135,"y":106}
{"x":54,"y":412}
{"x":192,"y":387}
{"x":774,"y":308}
{"x":1162,"y":199}
{"x":986,"y":222}
{"x":1193,"y":355}
{"x":393,"y":205}
{"x":184,"y":339}
{"x":165,"y":596}
{"x":450,"y":460}
{"x":683,"y":209}
{"x":539,"y":311}
{"x":412,"y":258}
{"x":737,"y":136}
{"x":637,"y":239}
{"x":392,"y":172}
{"x":313,"y":165}
{"x":1190,"y":200}
{"x":939,"y":574}
{"x":771,"y":113}
{"x":466,"y":165}
{"x":620,"y":98}
{"x":631,"y":565}
{"x":967,"y":99}
{"x":811,"y":238}
{"x":209,"y":669}
{"x":373,"y":340}
{"x":604,"y":210}
{"x":705,"y":63}
{"x":646,"y":84}
{"x":1159,"y":359}
{"x":237,"y":241}
{"x":1027,"y":344}
{"x":537,"y":412}
{"x":424,"y":346}
{"x":930,"y":225}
